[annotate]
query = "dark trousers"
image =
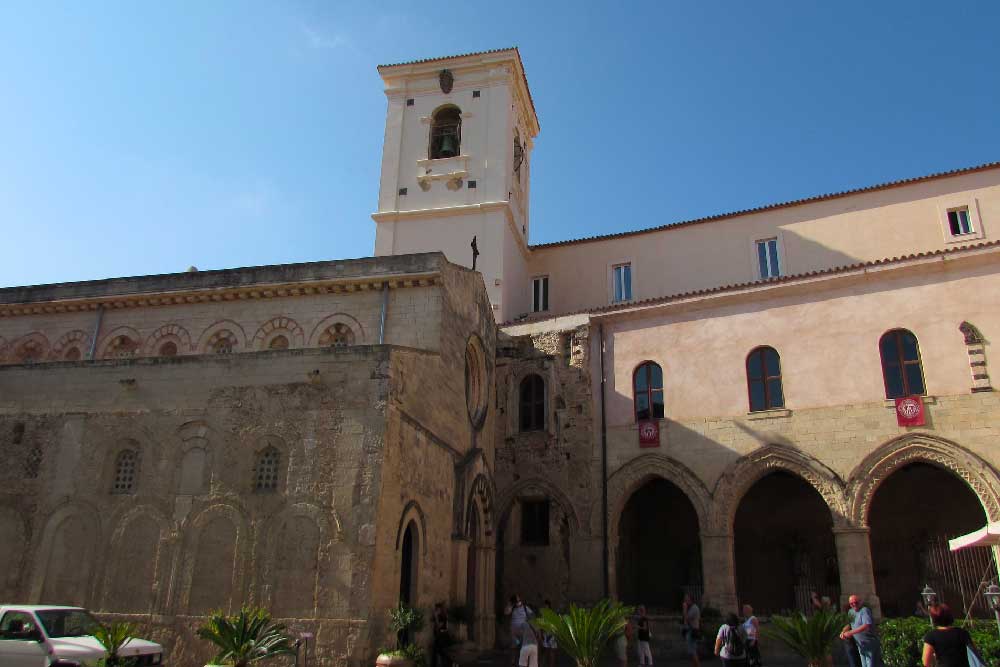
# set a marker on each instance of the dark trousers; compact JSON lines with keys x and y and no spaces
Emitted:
{"x":851,"y":650}
{"x":440,"y":644}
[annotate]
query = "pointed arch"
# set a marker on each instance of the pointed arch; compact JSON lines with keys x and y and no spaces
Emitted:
{"x":980,"y":476}
{"x":68,"y":544}
{"x":630,"y":477}
{"x":537,"y":486}
{"x":412,"y":512}
{"x":216,"y":332}
{"x":278,"y":326}
{"x":481,"y":498}
{"x":168,"y":333}
{"x":30,"y":348}
{"x":63,"y":348}
{"x":119,"y":343}
{"x":330,"y":321}
{"x":744,"y":473}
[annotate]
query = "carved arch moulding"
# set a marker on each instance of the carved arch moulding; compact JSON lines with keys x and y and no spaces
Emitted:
{"x":481,"y":495}
{"x":278,"y":326}
{"x":633,"y":475}
{"x":980,"y":476}
{"x":748,"y":470}
{"x":168,"y":333}
{"x":539,"y":488}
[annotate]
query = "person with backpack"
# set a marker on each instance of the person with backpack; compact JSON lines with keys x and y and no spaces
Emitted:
{"x":731,"y":643}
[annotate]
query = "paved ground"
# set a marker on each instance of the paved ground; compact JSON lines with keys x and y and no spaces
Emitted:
{"x":503,"y":659}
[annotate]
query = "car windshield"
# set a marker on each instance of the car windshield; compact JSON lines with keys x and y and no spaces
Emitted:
{"x":67,"y":622}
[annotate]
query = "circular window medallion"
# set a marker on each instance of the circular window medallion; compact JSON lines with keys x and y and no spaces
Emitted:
{"x":476,"y":390}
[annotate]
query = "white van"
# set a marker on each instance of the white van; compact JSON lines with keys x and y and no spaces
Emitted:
{"x":48,"y":636}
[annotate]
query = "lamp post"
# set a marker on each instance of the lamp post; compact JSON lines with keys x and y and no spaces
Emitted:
{"x":930,"y":599}
{"x":992,"y":594}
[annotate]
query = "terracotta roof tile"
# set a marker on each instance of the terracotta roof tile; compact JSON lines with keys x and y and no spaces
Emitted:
{"x":757,"y":283}
{"x":772,"y":207}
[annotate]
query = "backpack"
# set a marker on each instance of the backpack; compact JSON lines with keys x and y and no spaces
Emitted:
{"x":735,"y":643}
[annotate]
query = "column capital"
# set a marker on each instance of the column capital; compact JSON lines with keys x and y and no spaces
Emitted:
{"x":849,"y":530}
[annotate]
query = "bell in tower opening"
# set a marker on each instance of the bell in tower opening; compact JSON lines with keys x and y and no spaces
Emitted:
{"x":446,"y":133}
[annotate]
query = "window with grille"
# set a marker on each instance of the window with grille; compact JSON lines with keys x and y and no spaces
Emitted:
{"x":279,"y":342}
{"x":122,"y":347}
{"x":33,"y":462}
{"x":902,"y":372}
{"x":223,"y":342}
{"x":768,"y":265}
{"x":647,"y":390}
{"x":339,"y":335}
{"x":764,"y":380}
{"x":266,"y":471}
{"x":535,"y":522}
{"x":125,"y":471}
{"x":532,"y":403}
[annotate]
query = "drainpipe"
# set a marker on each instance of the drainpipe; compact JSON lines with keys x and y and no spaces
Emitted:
{"x":604,"y":470}
{"x":385,"y":306}
{"x":97,"y":330}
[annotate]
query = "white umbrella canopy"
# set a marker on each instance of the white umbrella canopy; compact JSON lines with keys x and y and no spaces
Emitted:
{"x":987,"y":536}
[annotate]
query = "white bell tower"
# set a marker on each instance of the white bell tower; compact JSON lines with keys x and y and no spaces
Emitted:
{"x":456,"y":166}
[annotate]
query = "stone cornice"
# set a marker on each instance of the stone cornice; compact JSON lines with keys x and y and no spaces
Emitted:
{"x":222,"y":294}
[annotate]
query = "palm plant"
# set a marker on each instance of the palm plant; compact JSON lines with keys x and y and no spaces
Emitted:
{"x":245,"y":638}
{"x":113,"y":638}
{"x":584,"y":633}
{"x":810,"y":637}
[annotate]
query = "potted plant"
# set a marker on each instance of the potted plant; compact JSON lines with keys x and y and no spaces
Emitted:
{"x":809,"y":637}
{"x":246,"y":638}
{"x":113,"y":637}
{"x":404,"y":621}
{"x":584,"y":633}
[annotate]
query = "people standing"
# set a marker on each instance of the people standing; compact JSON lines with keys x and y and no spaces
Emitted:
{"x":946,"y":644}
{"x":751,"y":628}
{"x":862,"y":631}
{"x":549,"y":645}
{"x":731,"y":643}
{"x":691,"y":627}
{"x":621,"y":644}
{"x":815,"y":602}
{"x":643,"y":637}
{"x":439,"y":623}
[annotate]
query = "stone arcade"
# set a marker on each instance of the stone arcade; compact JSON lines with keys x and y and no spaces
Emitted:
{"x":330,"y":438}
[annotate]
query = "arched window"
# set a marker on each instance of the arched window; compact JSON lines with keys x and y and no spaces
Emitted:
{"x":122,"y":347}
{"x":265,"y":473}
{"x":72,"y":354}
{"x":279,"y":342}
{"x":647,"y":390}
{"x":901,"y":369}
{"x":168,"y":349}
{"x":446,"y":133}
{"x":764,"y":379}
{"x":532,"y":403}
{"x":339,"y":335}
{"x":125,"y":468}
{"x":222,"y":342}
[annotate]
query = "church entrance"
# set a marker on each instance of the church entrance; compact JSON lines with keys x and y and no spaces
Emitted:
{"x":913,"y":514}
{"x":659,"y":548}
{"x":784,"y":546}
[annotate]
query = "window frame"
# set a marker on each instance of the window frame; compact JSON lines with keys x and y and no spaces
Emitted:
{"x":537,"y":404}
{"x":545,"y":539}
{"x":276,"y":485}
{"x":957,"y":210}
{"x":765,"y":379}
{"x":901,"y":364}
{"x":540,"y":305}
{"x":649,"y":391}
{"x":949,"y":204}
{"x":117,"y":471}
{"x":613,"y":283}
{"x":775,"y":271}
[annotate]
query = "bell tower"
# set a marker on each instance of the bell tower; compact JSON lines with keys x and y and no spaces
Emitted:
{"x":455,"y":167}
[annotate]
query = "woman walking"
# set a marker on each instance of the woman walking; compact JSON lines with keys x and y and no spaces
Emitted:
{"x":731,"y":643}
{"x":946,"y":644}
{"x":643,"y":637}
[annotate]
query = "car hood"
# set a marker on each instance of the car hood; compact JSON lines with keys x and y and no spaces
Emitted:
{"x":88,"y":648}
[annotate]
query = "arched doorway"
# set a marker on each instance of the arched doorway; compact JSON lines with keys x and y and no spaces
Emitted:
{"x":472,"y":572}
{"x":408,"y":565}
{"x":783,"y":545}
{"x":912,"y":515}
{"x":659,"y":547}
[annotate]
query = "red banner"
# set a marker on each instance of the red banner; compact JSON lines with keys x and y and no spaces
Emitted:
{"x":910,"y":411}
{"x":649,"y":433}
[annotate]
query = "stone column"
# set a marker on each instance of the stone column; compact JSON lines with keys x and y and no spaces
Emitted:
{"x":718,"y":572}
{"x":854,"y":556}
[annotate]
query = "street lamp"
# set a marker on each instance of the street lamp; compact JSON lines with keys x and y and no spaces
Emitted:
{"x":992,"y":594}
{"x":930,"y":599}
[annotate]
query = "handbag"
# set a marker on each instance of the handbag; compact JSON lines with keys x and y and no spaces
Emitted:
{"x":974,"y":659}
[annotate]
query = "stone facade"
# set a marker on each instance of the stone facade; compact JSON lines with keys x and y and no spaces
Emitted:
{"x":160,"y":488}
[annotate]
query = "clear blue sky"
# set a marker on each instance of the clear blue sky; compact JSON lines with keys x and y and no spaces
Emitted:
{"x":143,"y":137}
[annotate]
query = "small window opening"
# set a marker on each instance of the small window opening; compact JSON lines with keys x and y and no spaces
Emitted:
{"x":535,"y":523}
{"x":266,"y":471}
{"x":125,"y":466}
{"x":958,"y":221}
{"x":622,"y":275}
{"x":532,"y":403}
{"x":540,"y":294}
{"x":767,"y":259}
{"x":168,"y":349}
